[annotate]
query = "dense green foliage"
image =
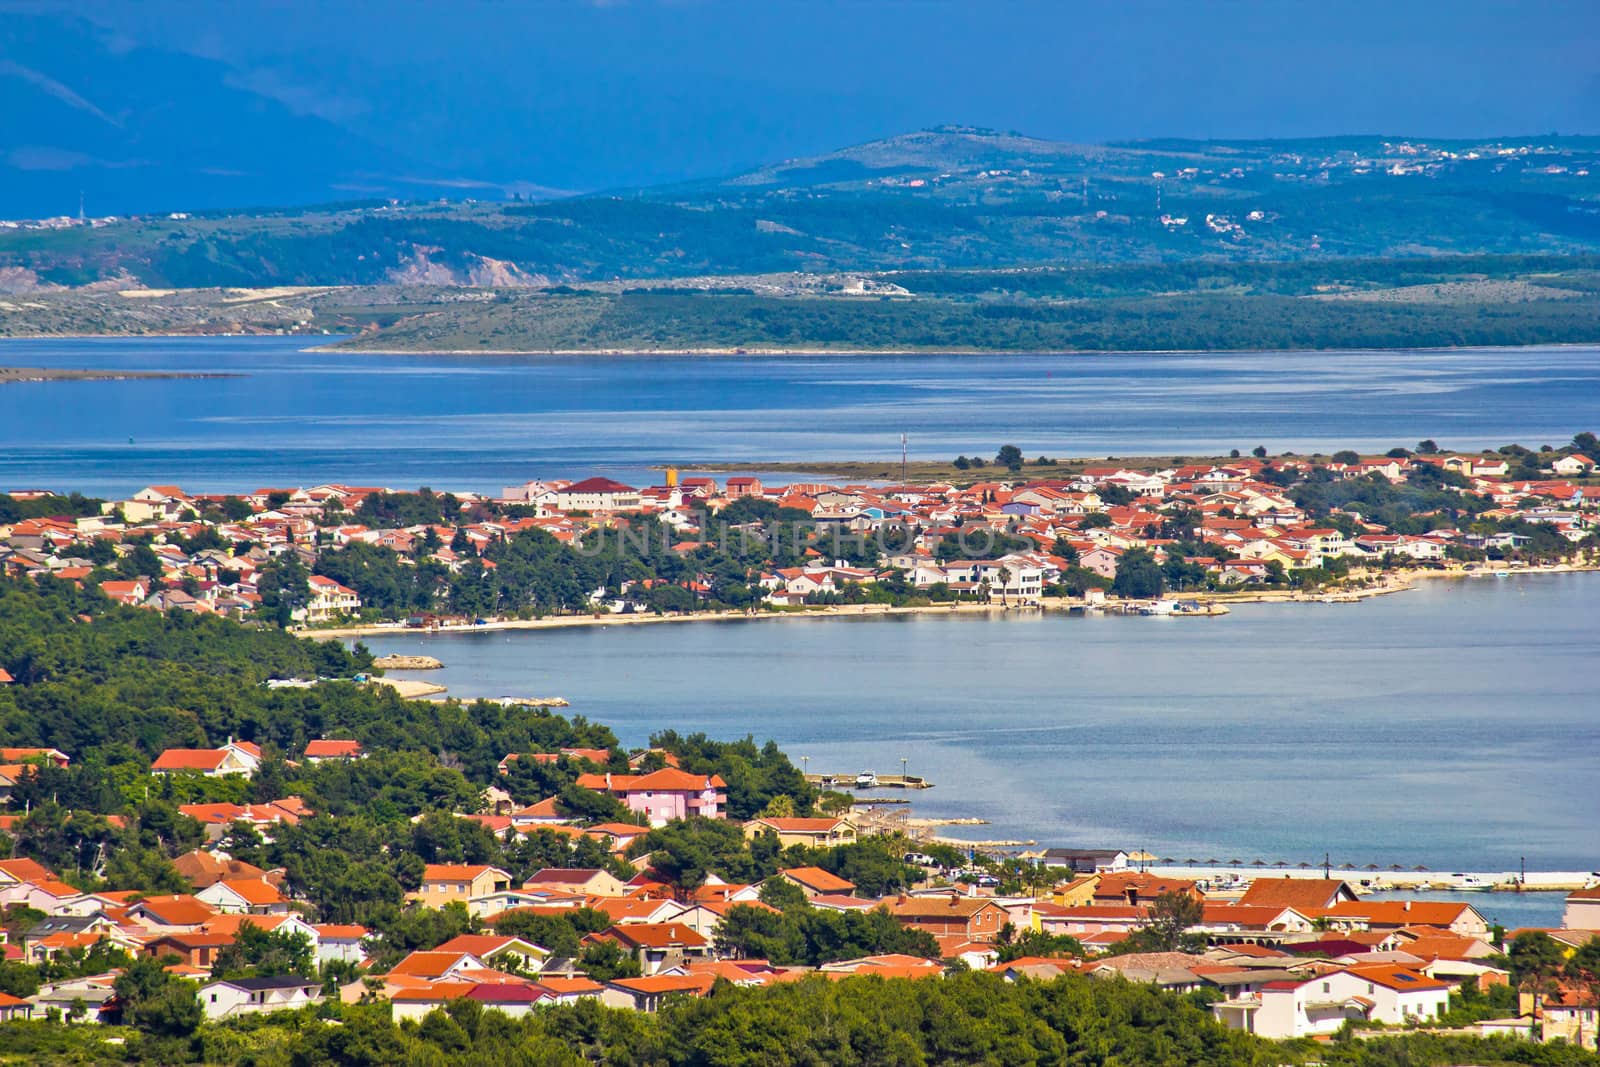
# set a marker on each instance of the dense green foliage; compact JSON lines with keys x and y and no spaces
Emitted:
{"x":114,"y":686}
{"x":803,"y":935}
{"x":45,"y":507}
{"x":963,"y":1019}
{"x":1168,"y":322}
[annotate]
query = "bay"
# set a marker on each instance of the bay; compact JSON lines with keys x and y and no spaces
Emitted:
{"x":1454,"y":726}
{"x":298,"y":417}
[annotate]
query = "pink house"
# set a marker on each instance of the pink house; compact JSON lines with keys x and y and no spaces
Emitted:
{"x":1102,"y":560}
{"x":663,"y":795}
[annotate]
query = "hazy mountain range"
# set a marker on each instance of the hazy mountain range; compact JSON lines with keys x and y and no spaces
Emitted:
{"x":168,"y":133}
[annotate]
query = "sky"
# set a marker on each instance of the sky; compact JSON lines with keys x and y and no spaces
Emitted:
{"x":578,"y":95}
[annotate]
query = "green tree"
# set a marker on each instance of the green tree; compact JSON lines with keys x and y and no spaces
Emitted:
{"x":606,"y":960}
{"x":156,"y":1001}
{"x":1535,"y":960}
{"x":1139,"y":576}
{"x":1172,"y":915}
{"x":258,"y":953}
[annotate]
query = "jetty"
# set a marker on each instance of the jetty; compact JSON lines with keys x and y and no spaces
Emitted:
{"x":866,"y":780}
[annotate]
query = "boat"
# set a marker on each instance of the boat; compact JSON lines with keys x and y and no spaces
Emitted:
{"x":1159,"y":607}
{"x":1467,"y":883}
{"x":866,"y":780}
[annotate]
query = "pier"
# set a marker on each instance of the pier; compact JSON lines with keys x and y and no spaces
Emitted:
{"x":858,"y":782}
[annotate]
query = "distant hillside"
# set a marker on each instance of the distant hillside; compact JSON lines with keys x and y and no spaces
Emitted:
{"x":933,"y":200}
{"x":1213,"y":305}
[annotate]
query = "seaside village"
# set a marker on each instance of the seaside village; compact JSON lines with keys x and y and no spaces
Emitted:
{"x":1229,"y":528}
{"x":1283,"y":954}
{"x":1278,"y":953}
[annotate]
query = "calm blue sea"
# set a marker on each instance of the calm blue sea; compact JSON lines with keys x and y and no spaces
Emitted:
{"x":1454,"y":726}
{"x":480,"y":422}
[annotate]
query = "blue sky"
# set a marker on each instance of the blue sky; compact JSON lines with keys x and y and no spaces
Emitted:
{"x":584,"y":95}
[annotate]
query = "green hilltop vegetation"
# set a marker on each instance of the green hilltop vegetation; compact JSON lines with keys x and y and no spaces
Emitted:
{"x":1203,"y":305}
{"x":946,"y":239}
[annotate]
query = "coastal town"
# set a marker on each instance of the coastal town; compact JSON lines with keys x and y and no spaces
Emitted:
{"x":1280,"y":954}
{"x":237,"y":819}
{"x":1180,"y":539}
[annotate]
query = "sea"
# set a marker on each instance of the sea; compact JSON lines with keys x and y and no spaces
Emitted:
{"x":296,"y":417}
{"x":1455,"y":726}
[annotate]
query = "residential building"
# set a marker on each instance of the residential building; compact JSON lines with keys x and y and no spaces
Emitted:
{"x":235,"y":757}
{"x":1582,"y":910}
{"x":1324,"y":1003}
{"x":329,"y":600}
{"x":445,"y":883}
{"x":808,"y":832}
{"x":233,"y":997}
{"x":665,"y":795}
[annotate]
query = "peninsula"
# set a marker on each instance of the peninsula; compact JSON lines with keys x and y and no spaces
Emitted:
{"x":978,"y":533}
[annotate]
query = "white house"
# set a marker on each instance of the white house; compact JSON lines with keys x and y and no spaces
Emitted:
{"x":329,"y":600}
{"x":1379,"y":993}
{"x":236,"y":757}
{"x":1571,"y":466}
{"x":244,"y":896}
{"x":598,"y":494}
{"x":1583,"y":910}
{"x":340,"y":941}
{"x":256,"y":996}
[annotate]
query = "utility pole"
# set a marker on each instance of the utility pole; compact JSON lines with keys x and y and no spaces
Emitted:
{"x":902,"y":457}
{"x":1327,"y":866}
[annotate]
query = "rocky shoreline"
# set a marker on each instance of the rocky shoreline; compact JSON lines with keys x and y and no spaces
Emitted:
{"x":406,"y":663}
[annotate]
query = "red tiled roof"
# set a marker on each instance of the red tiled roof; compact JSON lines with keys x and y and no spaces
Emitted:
{"x":817,"y":878}
{"x":326,"y":748}
{"x":189,"y":759}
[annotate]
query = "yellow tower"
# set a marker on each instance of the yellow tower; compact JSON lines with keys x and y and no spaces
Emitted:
{"x":672,"y":477}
